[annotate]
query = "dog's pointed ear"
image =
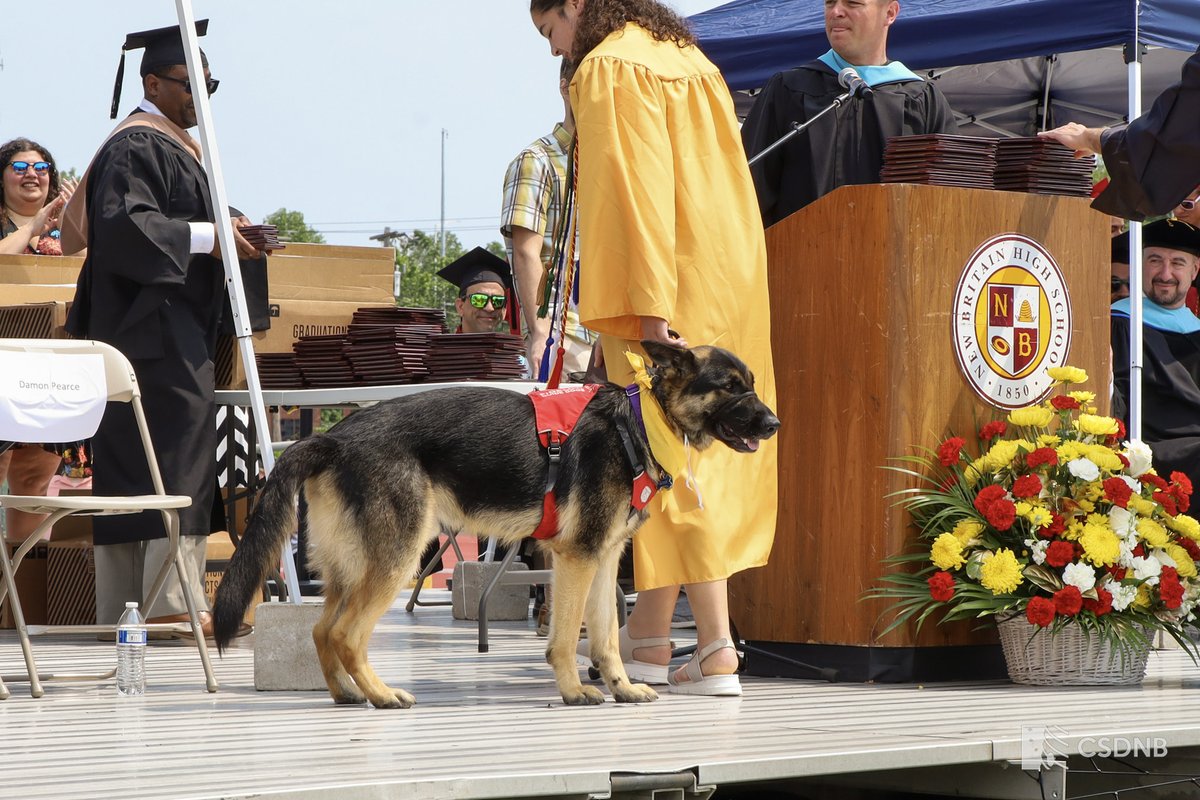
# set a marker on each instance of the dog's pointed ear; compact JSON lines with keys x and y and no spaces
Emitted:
{"x":665,"y":355}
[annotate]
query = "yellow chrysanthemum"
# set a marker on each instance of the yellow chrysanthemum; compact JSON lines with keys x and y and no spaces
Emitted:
{"x":1096,"y":426}
{"x":1152,"y":533}
{"x":973,"y":473}
{"x":1141,"y":506}
{"x":1069,"y":451}
{"x":967,"y":531}
{"x":1092,"y":490}
{"x":1073,"y":532}
{"x":1001,"y":573}
{"x":1031,"y":417}
{"x":1185,"y":526}
{"x":946,"y":552}
{"x":1082,"y":397}
{"x":1087,"y":505}
{"x":1049,"y":440}
{"x":1067,"y":374}
{"x":1143,"y":599}
{"x":1183,"y":562}
{"x":1097,"y":519}
{"x":1037,"y":515}
{"x":1100,"y":545}
{"x":1104,"y":457}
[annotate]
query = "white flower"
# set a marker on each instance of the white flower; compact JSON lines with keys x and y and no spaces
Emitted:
{"x":1122,"y":596}
{"x":1121,"y":520}
{"x":1083,"y":469}
{"x":1134,"y":485}
{"x":1037,"y":549}
{"x":1126,"y":557}
{"x":1147,"y":569}
{"x":1140,"y":457}
{"x":1164,"y":559}
{"x":1081,"y":576}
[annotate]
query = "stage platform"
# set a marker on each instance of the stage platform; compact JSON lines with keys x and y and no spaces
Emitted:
{"x":492,"y":726}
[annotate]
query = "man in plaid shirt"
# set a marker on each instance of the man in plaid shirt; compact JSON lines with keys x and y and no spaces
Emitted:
{"x":535,"y":188}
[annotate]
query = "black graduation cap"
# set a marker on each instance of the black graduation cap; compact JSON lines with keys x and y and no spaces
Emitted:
{"x":477,"y":266}
{"x":164,"y":48}
{"x":1120,"y":249}
{"x":1173,"y":235}
{"x":482,"y":266}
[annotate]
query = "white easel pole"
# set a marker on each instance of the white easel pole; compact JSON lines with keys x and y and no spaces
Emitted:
{"x":233,"y":273}
{"x":1135,"y":268}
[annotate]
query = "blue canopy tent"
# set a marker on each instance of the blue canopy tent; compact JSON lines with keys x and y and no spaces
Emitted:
{"x":1007,"y":67}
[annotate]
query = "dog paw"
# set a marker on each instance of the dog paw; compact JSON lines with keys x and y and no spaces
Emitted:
{"x":635,"y":693}
{"x":347,"y":698}
{"x":398,"y":699}
{"x":584,"y":696}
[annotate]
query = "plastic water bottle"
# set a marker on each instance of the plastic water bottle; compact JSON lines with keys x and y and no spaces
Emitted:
{"x":131,"y":652}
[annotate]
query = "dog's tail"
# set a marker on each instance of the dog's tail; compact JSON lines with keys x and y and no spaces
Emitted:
{"x":268,"y":529}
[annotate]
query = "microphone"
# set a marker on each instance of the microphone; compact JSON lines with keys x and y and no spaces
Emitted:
{"x":853,"y":83}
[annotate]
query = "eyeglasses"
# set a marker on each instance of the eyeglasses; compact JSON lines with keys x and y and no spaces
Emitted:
{"x":480,"y":300}
{"x":211,"y":84}
{"x":1118,"y":284}
{"x":1188,"y":205}
{"x":21,"y":167}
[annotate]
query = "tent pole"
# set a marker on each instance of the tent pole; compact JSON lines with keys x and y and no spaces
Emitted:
{"x":1133,"y":57}
{"x":233,"y":273}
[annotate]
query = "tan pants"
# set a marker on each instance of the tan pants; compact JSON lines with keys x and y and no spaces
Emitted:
{"x":127,"y":572}
{"x":28,"y":470}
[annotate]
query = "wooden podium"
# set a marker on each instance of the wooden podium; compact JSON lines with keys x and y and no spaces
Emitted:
{"x":862,"y":286}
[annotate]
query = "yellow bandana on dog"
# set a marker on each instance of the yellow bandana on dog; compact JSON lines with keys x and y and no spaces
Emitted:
{"x":672,"y":455}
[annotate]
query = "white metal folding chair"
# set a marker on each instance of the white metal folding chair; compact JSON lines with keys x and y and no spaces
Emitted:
{"x":121,"y":386}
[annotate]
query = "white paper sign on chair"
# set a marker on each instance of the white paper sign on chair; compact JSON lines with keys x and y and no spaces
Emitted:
{"x":46,"y":397}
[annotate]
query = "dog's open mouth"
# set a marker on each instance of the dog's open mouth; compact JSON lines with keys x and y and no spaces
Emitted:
{"x":735,"y":441}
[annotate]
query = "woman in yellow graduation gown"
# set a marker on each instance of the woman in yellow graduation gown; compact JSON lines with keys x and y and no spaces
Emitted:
{"x":671,"y":237}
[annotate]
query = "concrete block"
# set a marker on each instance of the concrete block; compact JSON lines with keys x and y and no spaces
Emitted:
{"x":285,"y":658}
{"x":508,"y":601}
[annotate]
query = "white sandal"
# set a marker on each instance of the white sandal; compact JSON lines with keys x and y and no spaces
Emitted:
{"x":638,"y":671}
{"x":696,"y":682}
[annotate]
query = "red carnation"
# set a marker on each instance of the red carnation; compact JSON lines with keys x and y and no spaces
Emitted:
{"x":1169,"y":588}
{"x":1040,"y":611}
{"x":1060,"y":553}
{"x":1117,"y":492}
{"x":1140,"y":550}
{"x":948,"y":450}
{"x":1068,"y":600}
{"x":1155,"y":481}
{"x":1001,"y":514}
{"x":1192,"y":548}
{"x":1101,"y":605}
{"x":993,"y":429}
{"x":1183,"y":482}
{"x":988,"y":495}
{"x":1116,"y":438}
{"x":941,"y":586}
{"x":1180,"y":499}
{"x":1118,"y":573}
{"x":1065,"y":403}
{"x":1027,"y":486}
{"x":1167,"y":502}
{"x":1055,"y":528}
{"x":1124,"y":461}
{"x":1043,"y":455}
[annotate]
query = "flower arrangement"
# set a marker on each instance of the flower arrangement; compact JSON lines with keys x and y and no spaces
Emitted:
{"x":1057,"y":520}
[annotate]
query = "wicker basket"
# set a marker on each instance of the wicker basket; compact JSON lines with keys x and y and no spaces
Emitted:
{"x":1070,"y":657}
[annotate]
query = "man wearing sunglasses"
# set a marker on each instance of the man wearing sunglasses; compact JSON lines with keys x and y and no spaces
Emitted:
{"x":153,"y":286}
{"x":485,"y":294}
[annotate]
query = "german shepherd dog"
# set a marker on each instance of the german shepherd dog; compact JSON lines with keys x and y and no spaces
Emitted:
{"x":380,"y":484}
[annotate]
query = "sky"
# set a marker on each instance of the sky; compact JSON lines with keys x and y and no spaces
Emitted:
{"x":334,"y":109}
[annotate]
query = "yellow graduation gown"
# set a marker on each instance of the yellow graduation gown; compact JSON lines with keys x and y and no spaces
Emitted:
{"x":669,"y":227}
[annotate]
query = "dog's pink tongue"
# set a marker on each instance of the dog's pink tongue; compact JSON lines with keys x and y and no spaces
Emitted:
{"x":751,"y":443}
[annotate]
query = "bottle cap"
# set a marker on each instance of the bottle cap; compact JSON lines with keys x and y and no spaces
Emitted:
{"x":131,"y":603}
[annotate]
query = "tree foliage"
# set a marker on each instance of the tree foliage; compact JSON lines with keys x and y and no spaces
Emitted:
{"x":292,"y":227}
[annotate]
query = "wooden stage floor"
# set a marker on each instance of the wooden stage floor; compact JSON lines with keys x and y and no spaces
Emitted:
{"x":491,"y":725}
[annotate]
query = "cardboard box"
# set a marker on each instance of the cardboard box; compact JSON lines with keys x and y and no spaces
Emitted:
{"x":217,"y":554}
{"x":70,"y":583}
{"x":290,"y":319}
{"x":31,"y":588}
{"x":56,"y":270}
{"x":75,"y":528}
{"x":332,"y":273}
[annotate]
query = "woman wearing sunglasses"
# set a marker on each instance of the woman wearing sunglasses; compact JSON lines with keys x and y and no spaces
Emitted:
{"x":31,"y":199}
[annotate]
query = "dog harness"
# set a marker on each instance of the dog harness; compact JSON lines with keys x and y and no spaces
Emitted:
{"x":556,"y":412}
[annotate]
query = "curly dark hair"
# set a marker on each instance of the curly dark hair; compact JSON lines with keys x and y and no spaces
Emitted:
{"x":10,"y":149}
{"x":599,"y":18}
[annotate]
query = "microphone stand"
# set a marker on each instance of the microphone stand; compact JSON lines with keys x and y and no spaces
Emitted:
{"x":797,"y":127}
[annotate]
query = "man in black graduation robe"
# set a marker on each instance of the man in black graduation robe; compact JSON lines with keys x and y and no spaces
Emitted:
{"x":152,"y":285}
{"x":1170,"y":350}
{"x":846,"y":145}
{"x":1153,"y":162}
